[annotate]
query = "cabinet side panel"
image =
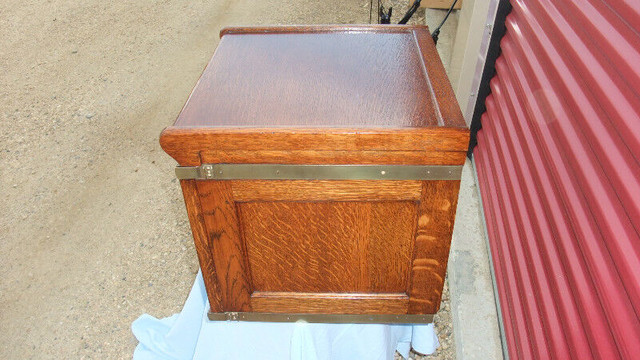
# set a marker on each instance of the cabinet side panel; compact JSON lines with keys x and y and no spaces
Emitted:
{"x":436,"y":214}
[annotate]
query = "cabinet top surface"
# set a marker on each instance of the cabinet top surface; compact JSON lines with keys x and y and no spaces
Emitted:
{"x":323,"y":76}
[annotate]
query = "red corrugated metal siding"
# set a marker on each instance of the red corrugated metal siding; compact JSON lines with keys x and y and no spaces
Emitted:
{"x":558,"y":162}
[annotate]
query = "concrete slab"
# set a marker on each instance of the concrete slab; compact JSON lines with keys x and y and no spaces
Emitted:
{"x":447,"y":37}
{"x":474,"y":315}
{"x":473,"y":306}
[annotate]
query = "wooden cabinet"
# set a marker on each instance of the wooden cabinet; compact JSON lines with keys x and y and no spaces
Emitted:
{"x":320,"y":169}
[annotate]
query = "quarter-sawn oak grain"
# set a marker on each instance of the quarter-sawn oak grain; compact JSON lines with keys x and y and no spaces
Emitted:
{"x":338,"y":247}
{"x":187,"y":144}
{"x":329,"y":303}
{"x":436,"y":213}
{"x":325,"y":190}
{"x":225,"y":243}
{"x":202,"y":244}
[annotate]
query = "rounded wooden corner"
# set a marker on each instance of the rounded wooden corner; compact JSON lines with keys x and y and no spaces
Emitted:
{"x":165,"y":137}
{"x":170,"y":142}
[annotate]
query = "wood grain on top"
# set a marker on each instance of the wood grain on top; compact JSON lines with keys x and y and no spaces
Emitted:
{"x":338,"y":76}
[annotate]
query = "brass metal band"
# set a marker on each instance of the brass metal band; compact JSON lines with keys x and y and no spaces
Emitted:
{"x":324,"y":318}
{"x":318,"y":172}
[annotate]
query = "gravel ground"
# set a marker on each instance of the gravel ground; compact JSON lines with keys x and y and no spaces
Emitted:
{"x":94,"y":231}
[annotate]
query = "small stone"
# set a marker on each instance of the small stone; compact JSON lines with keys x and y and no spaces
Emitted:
{"x":74,"y":51}
{"x":89,"y":115}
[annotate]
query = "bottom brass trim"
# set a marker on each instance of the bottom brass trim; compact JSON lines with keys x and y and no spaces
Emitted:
{"x":324,"y":318}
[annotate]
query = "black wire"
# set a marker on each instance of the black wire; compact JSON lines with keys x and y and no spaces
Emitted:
{"x":411,"y":11}
{"x":385,"y":16}
{"x":370,"y":9}
{"x":436,"y":32}
{"x":447,"y":15}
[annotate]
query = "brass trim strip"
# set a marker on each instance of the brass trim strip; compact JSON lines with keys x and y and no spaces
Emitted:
{"x":324,"y":318}
{"x":318,"y":172}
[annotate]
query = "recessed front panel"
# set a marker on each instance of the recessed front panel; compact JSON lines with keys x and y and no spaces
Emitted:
{"x":336,"y":247}
{"x":333,"y":247}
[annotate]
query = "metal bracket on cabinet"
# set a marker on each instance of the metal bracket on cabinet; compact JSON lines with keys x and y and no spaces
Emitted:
{"x":318,"y":172}
{"x":324,"y":318}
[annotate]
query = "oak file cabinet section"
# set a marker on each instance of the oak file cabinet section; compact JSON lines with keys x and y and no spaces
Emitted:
{"x":320,"y":169}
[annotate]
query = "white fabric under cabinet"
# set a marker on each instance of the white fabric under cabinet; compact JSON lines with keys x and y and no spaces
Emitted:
{"x":191,"y":335}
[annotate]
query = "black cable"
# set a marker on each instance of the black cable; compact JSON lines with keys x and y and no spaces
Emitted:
{"x":411,"y":11}
{"x":436,"y":32}
{"x":370,"y":9}
{"x":385,"y":16}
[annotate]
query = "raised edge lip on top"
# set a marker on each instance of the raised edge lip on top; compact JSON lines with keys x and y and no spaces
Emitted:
{"x":292,"y":29}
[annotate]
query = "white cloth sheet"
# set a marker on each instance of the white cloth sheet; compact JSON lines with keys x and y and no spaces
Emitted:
{"x":191,"y":335}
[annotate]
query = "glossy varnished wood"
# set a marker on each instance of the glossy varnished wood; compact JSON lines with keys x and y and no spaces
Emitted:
{"x":186,"y":145}
{"x":225,"y":244}
{"x":322,"y":95}
{"x":442,"y":93}
{"x":202,"y":244}
{"x":327,"y":157}
{"x":338,"y":247}
{"x":297,"y":29}
{"x":317,"y":78}
{"x":329,"y":303}
{"x":436,"y":214}
{"x":333,"y":94}
{"x":325,"y":190}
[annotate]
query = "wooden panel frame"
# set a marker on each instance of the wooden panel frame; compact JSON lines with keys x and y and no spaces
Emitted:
{"x":436,"y":215}
{"x":202,"y":244}
{"x":326,"y":190}
{"x":351,"y":303}
{"x":223,"y":256}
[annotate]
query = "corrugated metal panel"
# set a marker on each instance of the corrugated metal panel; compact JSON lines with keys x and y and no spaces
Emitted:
{"x":558,"y":161}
